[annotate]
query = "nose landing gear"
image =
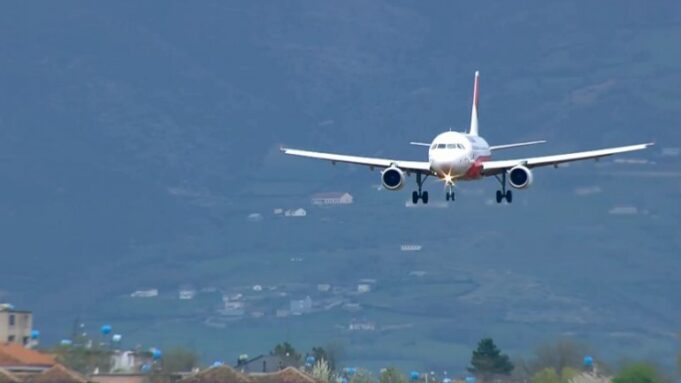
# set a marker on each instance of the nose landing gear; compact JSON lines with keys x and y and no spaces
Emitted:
{"x":450,"y":195}
{"x":420,"y":194}
{"x":503,"y":194}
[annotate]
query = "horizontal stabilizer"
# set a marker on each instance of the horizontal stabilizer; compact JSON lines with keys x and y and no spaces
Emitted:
{"x":508,"y":146}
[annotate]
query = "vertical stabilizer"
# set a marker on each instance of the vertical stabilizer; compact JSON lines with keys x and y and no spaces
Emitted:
{"x":474,"y":112}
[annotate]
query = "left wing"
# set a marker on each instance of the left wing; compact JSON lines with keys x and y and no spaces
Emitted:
{"x":491,"y":168}
{"x":415,"y":166}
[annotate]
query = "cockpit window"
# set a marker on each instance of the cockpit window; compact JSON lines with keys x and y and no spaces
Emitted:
{"x":433,"y":146}
{"x":451,"y":146}
{"x":460,"y":146}
{"x":441,"y":146}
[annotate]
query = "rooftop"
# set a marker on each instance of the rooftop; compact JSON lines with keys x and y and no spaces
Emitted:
{"x":226,"y":374}
{"x":7,"y":377}
{"x":13,"y":354}
{"x":57,"y":373}
{"x":6,"y":307}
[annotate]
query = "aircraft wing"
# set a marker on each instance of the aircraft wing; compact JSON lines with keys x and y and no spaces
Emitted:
{"x":519,"y":144}
{"x":490,"y":168}
{"x":414,"y":166}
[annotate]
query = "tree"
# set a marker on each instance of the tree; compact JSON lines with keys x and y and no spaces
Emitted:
{"x":330,"y":353}
{"x":521,"y":371}
{"x":392,"y":375}
{"x":321,"y":371}
{"x":179,"y":360}
{"x":84,"y":359}
{"x":362,"y":376}
{"x":287,"y":353}
{"x":320,"y":354}
{"x":550,"y":375}
{"x":547,"y":375}
{"x":559,"y":354}
{"x":638,"y":373}
{"x":568,"y":373}
{"x":488,"y":361}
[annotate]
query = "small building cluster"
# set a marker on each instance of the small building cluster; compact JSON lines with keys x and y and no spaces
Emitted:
{"x":334,"y":198}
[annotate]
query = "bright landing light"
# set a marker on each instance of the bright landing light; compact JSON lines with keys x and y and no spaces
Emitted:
{"x":448,"y":179}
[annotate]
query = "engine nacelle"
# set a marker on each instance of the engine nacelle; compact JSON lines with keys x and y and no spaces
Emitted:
{"x":392,"y":178}
{"x":520,"y":177}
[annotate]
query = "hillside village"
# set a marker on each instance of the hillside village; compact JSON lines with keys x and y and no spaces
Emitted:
{"x":275,"y":301}
{"x":101,"y":359}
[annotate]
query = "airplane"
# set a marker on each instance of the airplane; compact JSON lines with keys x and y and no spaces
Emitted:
{"x":454,"y":156}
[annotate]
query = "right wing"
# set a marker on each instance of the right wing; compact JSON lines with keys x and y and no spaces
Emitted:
{"x":490,"y":168}
{"x":414,"y":166}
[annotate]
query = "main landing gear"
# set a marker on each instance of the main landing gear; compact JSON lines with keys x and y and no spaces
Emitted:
{"x":422,"y":195}
{"x":503,"y":193}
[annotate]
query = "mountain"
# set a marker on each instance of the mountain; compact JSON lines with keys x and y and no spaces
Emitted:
{"x":136,"y":138}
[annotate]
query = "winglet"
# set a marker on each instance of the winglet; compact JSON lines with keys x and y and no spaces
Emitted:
{"x":473,"y":131}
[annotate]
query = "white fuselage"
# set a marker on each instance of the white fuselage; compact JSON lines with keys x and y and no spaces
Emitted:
{"x":458,"y":156}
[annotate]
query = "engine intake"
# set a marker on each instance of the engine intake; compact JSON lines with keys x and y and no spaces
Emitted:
{"x":520,"y":177}
{"x":392,"y":178}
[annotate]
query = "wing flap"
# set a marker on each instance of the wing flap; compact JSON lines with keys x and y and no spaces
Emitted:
{"x":357,"y":160}
{"x":496,"y":167}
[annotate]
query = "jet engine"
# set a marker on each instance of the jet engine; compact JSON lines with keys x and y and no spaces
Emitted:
{"x":392,"y":178}
{"x":520,"y":177}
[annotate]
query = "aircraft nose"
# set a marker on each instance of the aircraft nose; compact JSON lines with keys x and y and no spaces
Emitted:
{"x":456,"y":166}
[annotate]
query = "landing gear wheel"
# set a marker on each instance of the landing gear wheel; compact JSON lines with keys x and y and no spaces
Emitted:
{"x":447,"y":196}
{"x":503,"y":194}
{"x":419,"y":194}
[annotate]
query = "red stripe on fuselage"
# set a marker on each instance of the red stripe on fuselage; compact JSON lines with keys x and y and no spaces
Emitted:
{"x":475,"y":171}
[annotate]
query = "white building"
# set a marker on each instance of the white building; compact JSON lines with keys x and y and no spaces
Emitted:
{"x":302,"y":306}
{"x":363,"y":288}
{"x":624,"y":210}
{"x":588,"y":190}
{"x":352,"y":307}
{"x":335,"y":198}
{"x":255,"y":217}
{"x":671,"y":152}
{"x":362,"y":326}
{"x":282,"y":313}
{"x":125,"y":362}
{"x":233,"y":309}
{"x":410,"y":247}
{"x":186,"y":293}
{"x":300,"y":212}
{"x":151,"y":293}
